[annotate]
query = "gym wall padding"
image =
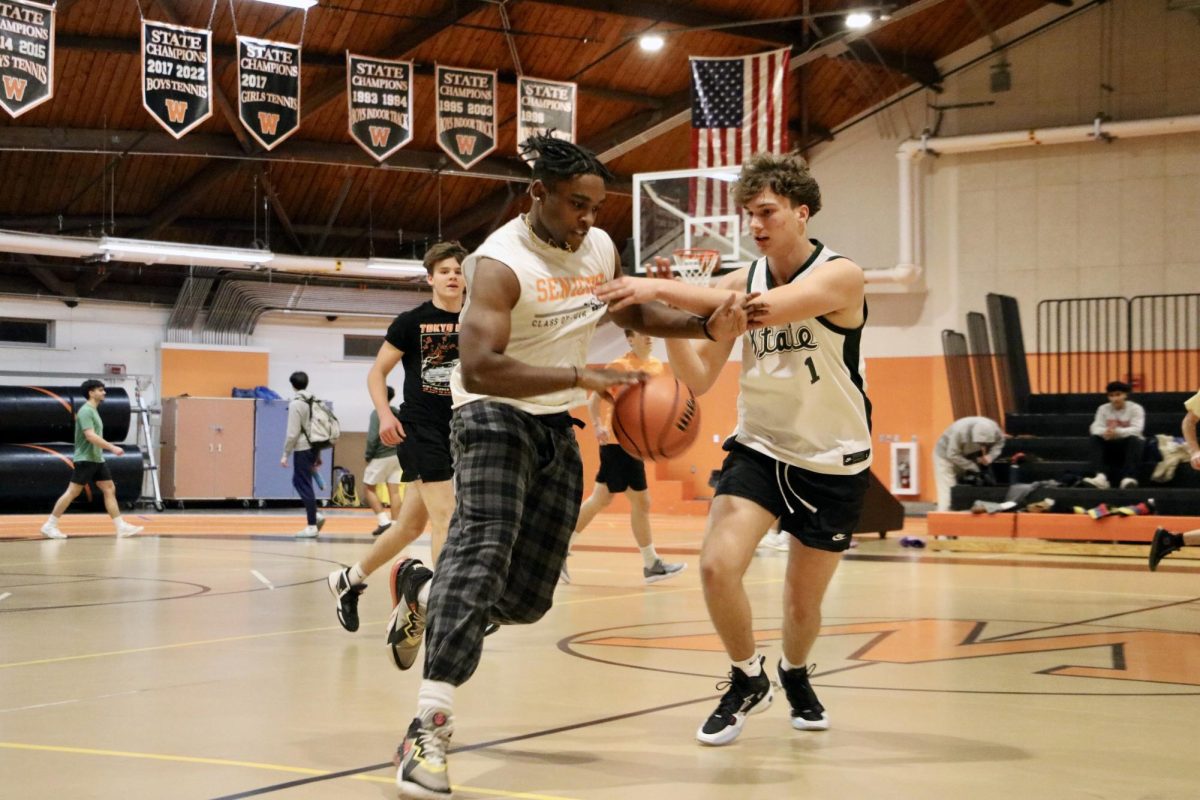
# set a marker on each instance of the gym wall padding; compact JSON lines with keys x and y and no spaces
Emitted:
{"x":47,"y":413}
{"x":192,"y":370}
{"x":35,"y":475}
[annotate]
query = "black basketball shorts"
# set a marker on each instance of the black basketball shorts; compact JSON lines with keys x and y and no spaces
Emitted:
{"x":820,"y":510}
{"x":88,"y":471}
{"x":425,"y":453}
{"x":619,"y":470}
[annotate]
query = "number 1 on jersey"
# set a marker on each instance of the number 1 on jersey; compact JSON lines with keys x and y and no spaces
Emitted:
{"x":812,"y":371}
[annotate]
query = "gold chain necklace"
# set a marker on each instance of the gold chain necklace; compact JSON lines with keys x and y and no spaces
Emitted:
{"x":552,"y":245}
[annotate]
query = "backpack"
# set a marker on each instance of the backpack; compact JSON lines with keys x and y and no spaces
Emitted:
{"x":343,"y":488}
{"x":323,"y":427}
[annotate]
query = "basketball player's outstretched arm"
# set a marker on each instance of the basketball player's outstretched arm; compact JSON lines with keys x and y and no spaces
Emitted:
{"x":629,"y":291}
{"x":699,"y":364}
{"x":390,"y":429}
{"x":485,"y":327}
{"x":834,"y":290}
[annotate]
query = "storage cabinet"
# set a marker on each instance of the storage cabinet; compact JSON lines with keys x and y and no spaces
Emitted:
{"x":207,"y":448}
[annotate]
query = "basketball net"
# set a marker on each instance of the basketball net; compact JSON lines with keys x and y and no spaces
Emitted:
{"x":696,"y":266}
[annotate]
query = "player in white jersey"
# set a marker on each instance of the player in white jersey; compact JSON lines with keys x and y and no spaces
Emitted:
{"x":526,"y":326}
{"x":803,"y":442}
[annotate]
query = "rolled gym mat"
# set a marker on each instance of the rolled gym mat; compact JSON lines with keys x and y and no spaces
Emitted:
{"x":37,"y":475}
{"x":47,"y":413}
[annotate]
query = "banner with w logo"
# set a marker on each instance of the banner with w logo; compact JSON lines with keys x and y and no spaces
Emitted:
{"x":380,"y":95}
{"x":26,"y":55}
{"x":268,"y":89}
{"x":466,"y":113}
{"x":176,"y":75}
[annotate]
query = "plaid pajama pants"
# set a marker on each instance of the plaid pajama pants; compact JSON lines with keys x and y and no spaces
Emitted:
{"x":518,"y":486}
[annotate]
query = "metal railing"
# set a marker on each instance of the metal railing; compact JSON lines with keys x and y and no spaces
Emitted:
{"x":1150,"y":341}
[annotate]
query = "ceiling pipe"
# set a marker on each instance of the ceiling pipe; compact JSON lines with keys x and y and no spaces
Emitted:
{"x":908,"y":269}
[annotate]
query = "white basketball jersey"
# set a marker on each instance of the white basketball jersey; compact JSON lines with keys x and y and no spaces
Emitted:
{"x":803,"y":397}
{"x":556,"y":314}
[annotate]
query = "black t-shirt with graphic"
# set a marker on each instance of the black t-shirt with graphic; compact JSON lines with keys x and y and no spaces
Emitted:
{"x":428,"y":338}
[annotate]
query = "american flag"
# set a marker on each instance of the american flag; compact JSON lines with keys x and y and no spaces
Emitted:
{"x":738,"y":109}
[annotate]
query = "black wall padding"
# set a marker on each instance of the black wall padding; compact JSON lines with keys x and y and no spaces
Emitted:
{"x":47,"y":413}
{"x":31,"y":476}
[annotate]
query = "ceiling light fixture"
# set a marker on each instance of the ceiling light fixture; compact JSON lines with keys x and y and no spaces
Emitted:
{"x":302,"y":4}
{"x":651,"y":42}
{"x":398,"y":266}
{"x":858,"y":20}
{"x":148,"y":251}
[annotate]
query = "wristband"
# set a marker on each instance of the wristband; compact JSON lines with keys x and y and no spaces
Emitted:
{"x":704,"y":328}
{"x":575,"y":380}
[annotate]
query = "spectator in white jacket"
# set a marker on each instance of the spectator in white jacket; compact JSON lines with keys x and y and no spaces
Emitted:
{"x":967,"y":446}
{"x":1116,"y":438}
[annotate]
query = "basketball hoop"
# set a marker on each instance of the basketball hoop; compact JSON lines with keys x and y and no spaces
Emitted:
{"x":696,"y":266}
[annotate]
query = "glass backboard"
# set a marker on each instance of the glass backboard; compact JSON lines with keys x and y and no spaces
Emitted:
{"x":689,"y":209}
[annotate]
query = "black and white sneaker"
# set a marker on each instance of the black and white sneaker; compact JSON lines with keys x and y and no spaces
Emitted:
{"x":807,"y":712}
{"x":346,"y":595}
{"x":1162,"y":545}
{"x":379,"y":529}
{"x":406,"y":627}
{"x":745,"y":696}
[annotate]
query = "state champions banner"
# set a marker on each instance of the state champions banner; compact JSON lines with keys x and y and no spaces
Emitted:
{"x":26,"y":55}
{"x":466,"y":113}
{"x":176,"y":75}
{"x":545,"y":106}
{"x":268,"y":89}
{"x":380,"y":96}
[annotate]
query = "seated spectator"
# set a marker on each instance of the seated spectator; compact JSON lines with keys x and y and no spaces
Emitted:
{"x":963,"y":450}
{"x":1116,"y":439}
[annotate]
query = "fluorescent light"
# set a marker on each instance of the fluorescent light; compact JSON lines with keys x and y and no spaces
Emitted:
{"x":398,"y":266}
{"x":149,"y":251}
{"x":305,"y":4}
{"x":858,"y":19}
{"x":651,"y":42}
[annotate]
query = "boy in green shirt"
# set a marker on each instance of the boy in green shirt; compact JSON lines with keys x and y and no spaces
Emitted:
{"x":89,"y":465}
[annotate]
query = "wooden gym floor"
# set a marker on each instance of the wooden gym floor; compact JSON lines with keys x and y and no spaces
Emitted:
{"x":202,"y":659}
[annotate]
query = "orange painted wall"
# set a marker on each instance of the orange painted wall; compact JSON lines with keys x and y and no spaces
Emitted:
{"x":210,"y":373}
{"x":910,"y":401}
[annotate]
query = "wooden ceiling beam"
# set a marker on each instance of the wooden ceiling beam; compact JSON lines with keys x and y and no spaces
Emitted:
{"x":921,"y":70}
{"x":51,"y":281}
{"x":225,"y":146}
{"x":222,"y":52}
{"x":185,"y":195}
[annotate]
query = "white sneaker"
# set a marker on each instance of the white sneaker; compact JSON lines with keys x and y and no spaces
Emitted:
{"x":51,"y":531}
{"x":308,"y":532}
{"x":776,"y":540}
{"x":1129,"y":483}
{"x":125,"y":529}
{"x":1097,"y":481}
{"x":320,"y":520}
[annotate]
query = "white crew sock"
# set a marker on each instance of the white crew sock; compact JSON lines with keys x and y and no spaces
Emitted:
{"x":788,"y":666}
{"x":751,"y":666}
{"x":649,"y":556}
{"x":435,"y":696}
{"x":357,"y":575}
{"x":383,"y":518}
{"x":53,"y":520}
{"x":118,"y":522}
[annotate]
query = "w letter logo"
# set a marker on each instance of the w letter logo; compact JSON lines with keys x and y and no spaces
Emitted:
{"x":379,"y":136}
{"x":176,"y":110}
{"x":14,"y":88}
{"x":465,"y":142}
{"x":268,"y":123}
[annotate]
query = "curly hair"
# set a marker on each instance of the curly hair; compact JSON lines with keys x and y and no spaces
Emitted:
{"x":440,"y":252}
{"x":785,"y":174}
{"x":555,"y":160}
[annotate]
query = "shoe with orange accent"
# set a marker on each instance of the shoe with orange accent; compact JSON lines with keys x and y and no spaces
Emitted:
{"x":421,"y":758}
{"x":406,"y":627}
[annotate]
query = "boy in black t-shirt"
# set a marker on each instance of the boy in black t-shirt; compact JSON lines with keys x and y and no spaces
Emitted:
{"x":425,"y":341}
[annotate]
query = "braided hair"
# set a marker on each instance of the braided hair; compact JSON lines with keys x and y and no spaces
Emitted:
{"x":556,"y":160}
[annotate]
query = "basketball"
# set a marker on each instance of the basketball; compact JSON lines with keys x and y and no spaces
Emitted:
{"x":657,"y":419}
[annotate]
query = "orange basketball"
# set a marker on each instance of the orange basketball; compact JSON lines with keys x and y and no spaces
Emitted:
{"x":657,"y":419}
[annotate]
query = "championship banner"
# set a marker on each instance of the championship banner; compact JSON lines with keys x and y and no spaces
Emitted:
{"x":176,"y":75}
{"x":466,"y":113}
{"x":26,"y":55}
{"x":380,"y":94}
{"x":268,"y":89}
{"x":545,"y":106}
